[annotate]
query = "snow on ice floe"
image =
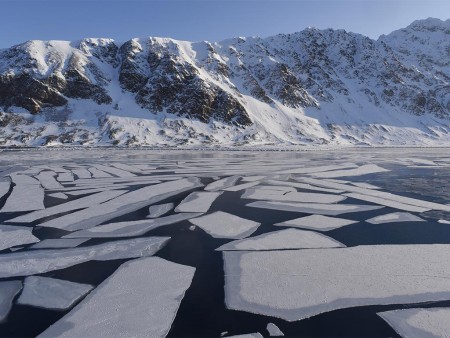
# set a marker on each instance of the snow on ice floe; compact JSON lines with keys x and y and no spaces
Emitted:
{"x":50,"y":293}
{"x":283,"y":239}
{"x":8,"y":290}
{"x":58,"y":243}
{"x":268,"y":282}
{"x":419,"y":322}
{"x":317,"y":222}
{"x":14,"y":235}
{"x":80,"y":203}
{"x":39,"y":261}
{"x":387,"y":203}
{"x":313,"y":208}
{"x":140,"y":299}
{"x":274,"y":331}
{"x":121,"y":205}
{"x":222,"y":183}
{"x":158,"y":210}
{"x":130,"y":228}
{"x":224,"y":225}
{"x":198,"y":201}
{"x":395,"y":217}
{"x":291,"y":196}
{"x":362,"y":170}
{"x":27,"y":195}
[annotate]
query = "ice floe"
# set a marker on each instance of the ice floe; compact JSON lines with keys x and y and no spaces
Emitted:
{"x":58,"y":243}
{"x":158,"y":210}
{"x":294,"y":196}
{"x":27,"y":195}
{"x":419,"y":323}
{"x":4,"y":188}
{"x":274,"y":331}
{"x":82,"y":173}
{"x":242,"y":186}
{"x":387,"y":203}
{"x":8,"y":290}
{"x":48,"y":181}
{"x":114,"y":171}
{"x":362,"y":170}
{"x":395,"y":217}
{"x":14,"y":235}
{"x":317,"y":222}
{"x":59,"y":195}
{"x":124,"y":204}
{"x":222,"y":183}
{"x":39,"y":261}
{"x":268,"y":282}
{"x":247,"y":335}
{"x":140,"y":299}
{"x":50,"y":293}
{"x":304,"y":186}
{"x":316,"y":169}
{"x":283,"y":239}
{"x":313,"y":208}
{"x":224,"y":225}
{"x":198,"y":201}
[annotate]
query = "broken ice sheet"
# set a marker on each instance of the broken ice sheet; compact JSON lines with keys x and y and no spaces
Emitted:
{"x":4,"y":188}
{"x":317,"y":222}
{"x":387,"y":203}
{"x":224,"y":225}
{"x":247,"y":335}
{"x":27,"y":195}
{"x":140,"y":299}
{"x":419,"y":323}
{"x":291,"y":196}
{"x":268,"y":282}
{"x":197,"y":202}
{"x":8,"y":290}
{"x":283,"y":239}
{"x":395,"y":217}
{"x":14,"y":235}
{"x":39,"y":261}
{"x":222,"y":183}
{"x":50,"y":293}
{"x":58,"y":243}
{"x":362,"y":170}
{"x":274,"y":330}
{"x":59,"y":195}
{"x":158,"y":210}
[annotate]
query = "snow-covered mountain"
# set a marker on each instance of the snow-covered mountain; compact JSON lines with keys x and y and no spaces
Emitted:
{"x":311,"y":87}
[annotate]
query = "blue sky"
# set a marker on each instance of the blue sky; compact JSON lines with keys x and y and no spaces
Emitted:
{"x":211,"y":20}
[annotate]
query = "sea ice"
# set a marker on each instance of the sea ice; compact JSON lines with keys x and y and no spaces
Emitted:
{"x":303,"y":197}
{"x":140,"y":299}
{"x":247,"y":335}
{"x":48,"y":181}
{"x":59,"y":195}
{"x":198,"y":202}
{"x":387,"y":203}
{"x":50,"y":293}
{"x":8,"y":290}
{"x":82,"y":173}
{"x":316,"y":169}
{"x":65,"y":177}
{"x":304,"y":186}
{"x":242,"y":186}
{"x":158,"y":210}
{"x":419,"y":323}
{"x":283,"y":239}
{"x":58,"y":243}
{"x":317,"y":222}
{"x":313,"y":208}
{"x":98,"y":173}
{"x":4,"y":188}
{"x":39,"y":261}
{"x":14,"y":235}
{"x":27,"y":195}
{"x":298,"y":284}
{"x":274,"y":330}
{"x":224,"y":225}
{"x":114,"y":171}
{"x":222,"y":183}
{"x":395,"y":217}
{"x":362,"y":170}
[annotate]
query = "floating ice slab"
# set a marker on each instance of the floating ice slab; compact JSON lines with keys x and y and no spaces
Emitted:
{"x":222,"y":183}
{"x":198,"y":202}
{"x":283,"y":239}
{"x":8,"y":290}
{"x":252,"y":178}
{"x":140,"y":299}
{"x":317,"y":222}
{"x":224,"y":225}
{"x":362,"y":170}
{"x":316,"y":169}
{"x":268,"y":282}
{"x":364,"y":185}
{"x":58,"y":243}
{"x":304,"y":186}
{"x":387,"y":203}
{"x":82,"y":173}
{"x":13,"y":235}
{"x":59,"y":195}
{"x":80,"y":203}
{"x":27,"y":195}
{"x":98,"y":173}
{"x":65,"y":177}
{"x":443,"y":221}
{"x":242,"y":186}
{"x":48,"y":181}
{"x":122,"y":205}
{"x":247,"y":335}
{"x":159,"y":210}
{"x":273,"y":330}
{"x":114,"y":171}
{"x":4,"y":188}
{"x":419,"y":323}
{"x":395,"y":217}
{"x":130,"y":228}
{"x":40,"y":261}
{"x":313,"y":208}
{"x":50,"y":293}
{"x":272,"y":195}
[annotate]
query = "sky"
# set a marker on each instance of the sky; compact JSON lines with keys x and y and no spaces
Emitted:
{"x":198,"y":20}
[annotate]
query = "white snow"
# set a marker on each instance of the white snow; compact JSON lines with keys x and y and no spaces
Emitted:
{"x":313,"y":208}
{"x":140,"y":299}
{"x":268,"y":282}
{"x":14,"y":235}
{"x":224,"y":225}
{"x":419,"y":322}
{"x":50,"y":293}
{"x":395,"y":217}
{"x":317,"y":222}
{"x":274,"y":330}
{"x":57,"y":243}
{"x":40,"y":261}
{"x":158,"y":210}
{"x":283,"y":239}
{"x":8,"y":290}
{"x":198,"y":202}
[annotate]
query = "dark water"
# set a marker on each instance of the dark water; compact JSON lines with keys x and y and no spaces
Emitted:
{"x":202,"y":312}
